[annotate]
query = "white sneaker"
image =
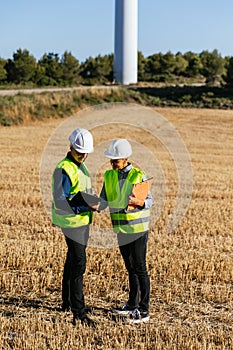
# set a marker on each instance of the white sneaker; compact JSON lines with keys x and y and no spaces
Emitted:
{"x":139,"y":316}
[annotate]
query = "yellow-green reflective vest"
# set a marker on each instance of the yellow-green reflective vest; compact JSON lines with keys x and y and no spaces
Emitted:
{"x":80,"y":181}
{"x":129,"y":222}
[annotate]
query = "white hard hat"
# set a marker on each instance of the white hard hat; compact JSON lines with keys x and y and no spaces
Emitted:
{"x":82,"y":141}
{"x":118,"y":149}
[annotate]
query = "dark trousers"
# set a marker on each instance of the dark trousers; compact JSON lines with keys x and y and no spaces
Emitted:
{"x":133,"y":250}
{"x":74,"y":269}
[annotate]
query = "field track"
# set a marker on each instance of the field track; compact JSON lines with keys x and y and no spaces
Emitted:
{"x":190,"y":269}
{"x":40,"y":90}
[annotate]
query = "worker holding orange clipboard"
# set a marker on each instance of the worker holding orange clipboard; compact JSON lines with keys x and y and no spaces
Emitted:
{"x":126,"y":192}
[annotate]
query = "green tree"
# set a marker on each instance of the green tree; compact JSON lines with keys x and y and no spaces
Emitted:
{"x":50,"y":64}
{"x":213,"y":66}
{"x":160,"y":67}
{"x":40,"y":78}
{"x":3,"y":72}
{"x":97,"y":70}
{"x":228,"y":77}
{"x":153,"y":69}
{"x":194,"y":66}
{"x":22,"y":68}
{"x":70,"y":68}
{"x":181,"y":64}
{"x":168,"y":63}
{"x":141,"y":66}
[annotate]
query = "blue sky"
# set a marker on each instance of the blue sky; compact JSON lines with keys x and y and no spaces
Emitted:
{"x":86,"y":27}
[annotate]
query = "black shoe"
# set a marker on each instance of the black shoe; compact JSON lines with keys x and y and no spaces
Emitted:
{"x":88,"y":322}
{"x":88,"y":310}
{"x":123,"y":310}
{"x":65,"y":307}
{"x":84,"y":320}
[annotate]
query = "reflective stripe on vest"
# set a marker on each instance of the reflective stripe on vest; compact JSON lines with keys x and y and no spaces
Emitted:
{"x":80,"y":181}
{"x":130,"y":222}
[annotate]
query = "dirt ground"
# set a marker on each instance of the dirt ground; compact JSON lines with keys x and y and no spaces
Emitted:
{"x":190,"y":265}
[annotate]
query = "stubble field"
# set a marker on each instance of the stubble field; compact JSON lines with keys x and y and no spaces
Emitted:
{"x":190,"y":268}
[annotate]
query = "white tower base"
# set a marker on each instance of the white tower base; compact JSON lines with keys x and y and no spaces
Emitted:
{"x":126,"y":42}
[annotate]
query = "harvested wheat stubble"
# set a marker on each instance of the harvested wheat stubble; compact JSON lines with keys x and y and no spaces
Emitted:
{"x":190,"y":269}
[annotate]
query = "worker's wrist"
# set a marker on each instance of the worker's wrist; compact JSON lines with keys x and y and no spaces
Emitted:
{"x":141,"y":203}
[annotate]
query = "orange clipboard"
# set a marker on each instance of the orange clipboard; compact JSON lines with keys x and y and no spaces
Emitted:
{"x":140,"y":191}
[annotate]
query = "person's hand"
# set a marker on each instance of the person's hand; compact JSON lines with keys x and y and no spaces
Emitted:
{"x":135,"y":201}
{"x":94,"y":207}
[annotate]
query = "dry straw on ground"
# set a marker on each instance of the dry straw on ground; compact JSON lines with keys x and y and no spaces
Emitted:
{"x":190,"y":269}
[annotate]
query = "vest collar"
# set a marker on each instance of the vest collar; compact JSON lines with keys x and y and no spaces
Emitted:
{"x":127,"y":168}
{"x":69,"y":156}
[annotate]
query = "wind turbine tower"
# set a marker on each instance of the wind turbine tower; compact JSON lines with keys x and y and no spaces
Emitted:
{"x":126,"y":42}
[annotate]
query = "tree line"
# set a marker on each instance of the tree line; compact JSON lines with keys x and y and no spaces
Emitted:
{"x":66,"y":70}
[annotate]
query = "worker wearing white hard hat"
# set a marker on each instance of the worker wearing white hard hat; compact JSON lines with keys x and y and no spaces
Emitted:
{"x":119,"y":149}
{"x":130,"y":220}
{"x":82,"y":141}
{"x":74,"y":216}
